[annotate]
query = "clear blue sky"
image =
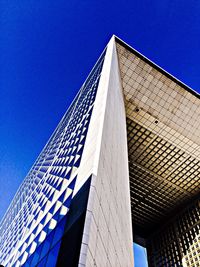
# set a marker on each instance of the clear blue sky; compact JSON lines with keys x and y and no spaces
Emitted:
{"x":47,"y":49}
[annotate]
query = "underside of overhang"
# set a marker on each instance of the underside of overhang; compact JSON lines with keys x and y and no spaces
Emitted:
{"x":163,"y":132}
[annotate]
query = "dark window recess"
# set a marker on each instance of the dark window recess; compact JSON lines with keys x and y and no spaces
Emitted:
{"x":71,"y":241}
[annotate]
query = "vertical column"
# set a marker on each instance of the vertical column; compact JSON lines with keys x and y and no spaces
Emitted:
{"x":107,"y":237}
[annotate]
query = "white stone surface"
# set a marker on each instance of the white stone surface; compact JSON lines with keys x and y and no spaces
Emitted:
{"x":108,"y":219}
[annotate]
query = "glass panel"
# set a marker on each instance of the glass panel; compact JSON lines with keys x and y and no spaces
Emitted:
{"x":53,"y":254}
{"x":36,"y":256}
{"x":47,"y":244}
{"x":59,"y":231}
{"x":43,"y":262}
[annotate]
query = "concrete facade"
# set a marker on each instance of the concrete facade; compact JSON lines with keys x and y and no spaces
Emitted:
{"x":109,"y":210}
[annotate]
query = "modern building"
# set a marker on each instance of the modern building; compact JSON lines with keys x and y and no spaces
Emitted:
{"x":123,"y":165}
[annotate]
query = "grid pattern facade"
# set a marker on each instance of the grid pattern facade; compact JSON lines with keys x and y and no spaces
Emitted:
{"x":164,"y":159}
{"x":162,"y":175}
{"x":177,"y":244}
{"x":151,"y":89}
{"x":163,"y":139}
{"x":32,"y":228}
{"x":192,"y":257}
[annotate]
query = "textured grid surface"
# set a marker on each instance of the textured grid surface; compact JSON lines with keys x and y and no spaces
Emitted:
{"x":177,"y":244}
{"x":158,"y":95}
{"x":163,"y":132}
{"x":45,"y":195}
{"x":163,"y":129}
{"x":162,"y":175}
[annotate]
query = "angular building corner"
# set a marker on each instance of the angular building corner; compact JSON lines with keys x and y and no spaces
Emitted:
{"x":108,"y":218}
{"x":122,"y":165}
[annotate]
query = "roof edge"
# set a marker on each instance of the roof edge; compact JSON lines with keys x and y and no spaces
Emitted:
{"x":137,"y":53}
